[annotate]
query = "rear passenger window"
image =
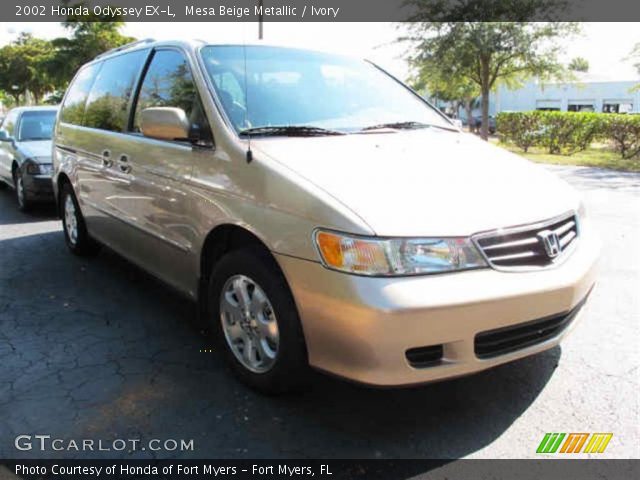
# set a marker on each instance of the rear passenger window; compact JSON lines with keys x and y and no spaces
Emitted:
{"x":74,"y":102}
{"x":168,"y":83}
{"x":107,"y":105}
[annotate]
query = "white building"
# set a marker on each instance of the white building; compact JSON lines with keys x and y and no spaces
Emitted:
{"x":588,"y":93}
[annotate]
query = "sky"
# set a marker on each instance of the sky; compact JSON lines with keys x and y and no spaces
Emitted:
{"x":604,"y":45}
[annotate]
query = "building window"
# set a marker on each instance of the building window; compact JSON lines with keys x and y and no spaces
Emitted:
{"x":617,"y":107}
{"x":581,"y":107}
{"x":548,"y":105}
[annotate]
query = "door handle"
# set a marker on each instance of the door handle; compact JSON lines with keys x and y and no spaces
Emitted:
{"x":123,"y":164}
{"x":106,"y":159}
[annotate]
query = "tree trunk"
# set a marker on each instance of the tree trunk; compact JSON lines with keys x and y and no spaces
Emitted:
{"x":16,"y":97}
{"x":468,"y":109}
{"x":484,"y":129}
{"x":485,"y":89}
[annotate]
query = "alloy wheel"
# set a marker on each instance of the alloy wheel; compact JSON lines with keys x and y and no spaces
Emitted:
{"x":249,"y":323}
{"x":70,"y":220}
{"x":20,"y":190}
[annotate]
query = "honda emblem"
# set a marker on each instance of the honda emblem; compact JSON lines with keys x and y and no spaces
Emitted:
{"x":551,"y":243}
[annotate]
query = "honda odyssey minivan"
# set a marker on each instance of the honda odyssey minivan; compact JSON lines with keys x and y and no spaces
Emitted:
{"x":320,"y":212}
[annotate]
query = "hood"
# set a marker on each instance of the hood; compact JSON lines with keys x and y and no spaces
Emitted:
{"x":39,"y":150}
{"x":425,"y":182}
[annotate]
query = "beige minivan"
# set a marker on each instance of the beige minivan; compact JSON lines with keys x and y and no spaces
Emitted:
{"x":320,"y":212}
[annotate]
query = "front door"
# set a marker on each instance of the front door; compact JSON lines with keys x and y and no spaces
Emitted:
{"x":161,"y":203}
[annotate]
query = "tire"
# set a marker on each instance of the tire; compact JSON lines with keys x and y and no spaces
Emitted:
{"x":279,"y":361}
{"x":75,"y":230}
{"x":24,"y":204}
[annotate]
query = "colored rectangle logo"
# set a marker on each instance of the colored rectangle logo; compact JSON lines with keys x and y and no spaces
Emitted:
{"x":556,"y":442}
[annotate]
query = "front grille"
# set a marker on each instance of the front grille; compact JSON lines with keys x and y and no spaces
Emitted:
{"x":423,"y":357}
{"x":493,"y":343}
{"x":524,"y":247}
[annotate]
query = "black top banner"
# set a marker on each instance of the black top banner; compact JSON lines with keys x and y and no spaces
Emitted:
{"x":322,"y":10}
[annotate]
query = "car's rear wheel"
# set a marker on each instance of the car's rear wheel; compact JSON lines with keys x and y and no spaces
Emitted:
{"x":21,"y":195}
{"x":256,"y":322}
{"x":75,"y":230}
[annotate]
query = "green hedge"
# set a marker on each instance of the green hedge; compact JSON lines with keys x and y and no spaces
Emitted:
{"x":565,"y":133}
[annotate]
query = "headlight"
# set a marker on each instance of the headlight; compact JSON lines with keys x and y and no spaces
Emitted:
{"x":46,"y":169}
{"x":396,"y":256}
{"x":35,"y":168}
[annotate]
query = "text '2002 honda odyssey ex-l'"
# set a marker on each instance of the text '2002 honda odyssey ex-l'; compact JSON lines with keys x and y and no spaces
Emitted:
{"x":320,"y":212}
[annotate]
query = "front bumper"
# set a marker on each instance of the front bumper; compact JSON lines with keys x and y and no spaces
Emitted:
{"x":38,"y":187}
{"x":360,"y":328}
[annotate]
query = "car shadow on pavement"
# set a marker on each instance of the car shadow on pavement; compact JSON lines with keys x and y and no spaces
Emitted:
{"x":95,"y":348}
{"x":10,"y":214}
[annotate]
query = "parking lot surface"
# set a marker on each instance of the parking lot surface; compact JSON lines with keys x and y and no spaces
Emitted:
{"x":96,"y":349}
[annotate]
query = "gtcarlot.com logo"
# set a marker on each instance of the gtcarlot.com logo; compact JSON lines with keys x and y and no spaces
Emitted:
{"x":574,"y":443}
{"x":48,"y":443}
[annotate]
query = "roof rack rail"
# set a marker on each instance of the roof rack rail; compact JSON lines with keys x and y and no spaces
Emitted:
{"x":126,"y":46}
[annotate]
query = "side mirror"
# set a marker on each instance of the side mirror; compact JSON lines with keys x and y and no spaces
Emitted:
{"x":4,"y":137}
{"x":165,"y":123}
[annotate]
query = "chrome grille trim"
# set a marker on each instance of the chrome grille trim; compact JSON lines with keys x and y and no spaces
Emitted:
{"x":519,"y":248}
{"x":526,"y":241}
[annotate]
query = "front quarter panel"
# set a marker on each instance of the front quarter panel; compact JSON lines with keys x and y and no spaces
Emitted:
{"x":266,"y":198}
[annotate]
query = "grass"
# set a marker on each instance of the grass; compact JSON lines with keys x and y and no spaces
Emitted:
{"x":598,"y":155}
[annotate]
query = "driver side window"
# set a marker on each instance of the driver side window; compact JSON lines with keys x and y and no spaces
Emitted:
{"x":231,"y":95}
{"x":168,"y":83}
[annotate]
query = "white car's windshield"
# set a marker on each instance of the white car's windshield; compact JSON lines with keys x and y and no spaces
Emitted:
{"x":36,"y":125}
{"x":322,"y":93}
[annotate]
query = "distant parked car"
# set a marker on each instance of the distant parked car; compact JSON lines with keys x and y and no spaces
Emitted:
{"x":476,"y":124}
{"x":25,"y":153}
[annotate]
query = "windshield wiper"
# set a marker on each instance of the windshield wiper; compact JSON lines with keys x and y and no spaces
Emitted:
{"x":411,"y":125}
{"x":290,"y":131}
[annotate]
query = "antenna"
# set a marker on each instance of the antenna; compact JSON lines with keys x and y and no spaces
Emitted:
{"x":246,"y":101}
{"x":260,"y":20}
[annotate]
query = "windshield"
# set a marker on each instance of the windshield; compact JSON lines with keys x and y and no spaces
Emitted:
{"x":36,"y":125}
{"x":289,"y":87}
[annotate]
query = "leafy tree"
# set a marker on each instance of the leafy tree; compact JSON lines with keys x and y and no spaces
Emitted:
{"x":6,"y":100}
{"x":24,"y":64}
{"x":487,"y":52}
{"x":458,"y":90}
{"x":579,"y":64}
{"x":635,"y":57}
{"x":13,"y":73}
{"x":90,"y":35}
{"x":34,"y":66}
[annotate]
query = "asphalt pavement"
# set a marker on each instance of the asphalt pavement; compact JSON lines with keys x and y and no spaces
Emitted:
{"x":96,"y":349}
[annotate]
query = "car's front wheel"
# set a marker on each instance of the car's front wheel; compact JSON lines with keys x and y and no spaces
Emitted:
{"x":21,"y":195}
{"x":75,"y":230}
{"x":256,"y":322}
